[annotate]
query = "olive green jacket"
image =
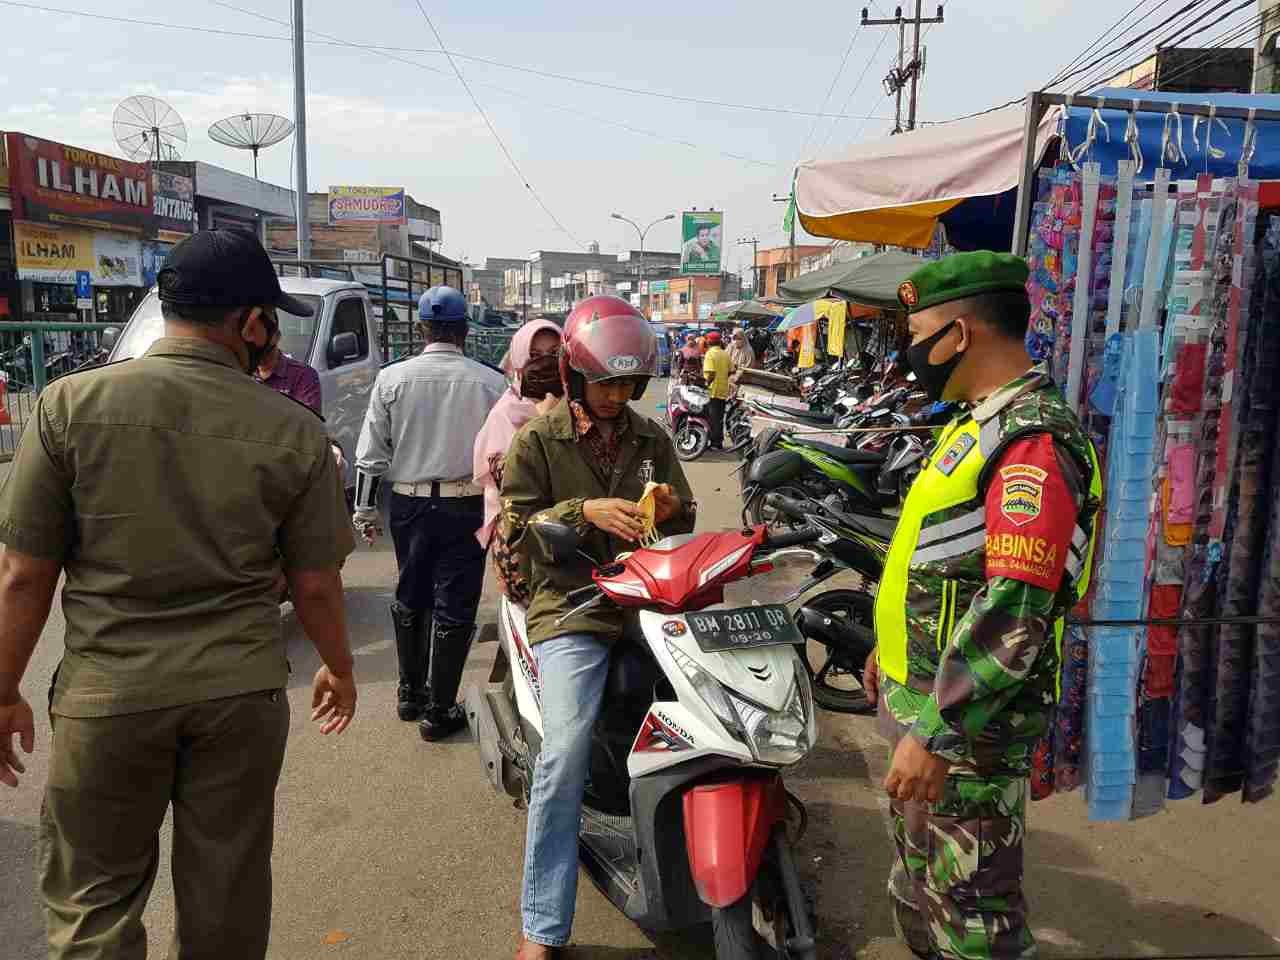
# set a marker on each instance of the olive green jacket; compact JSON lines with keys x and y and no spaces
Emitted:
{"x":549,"y":471}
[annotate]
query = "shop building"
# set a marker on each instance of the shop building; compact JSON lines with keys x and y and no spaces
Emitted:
{"x":777,"y":265}
{"x":87,"y":231}
{"x":226,"y":200}
{"x":691,"y":298}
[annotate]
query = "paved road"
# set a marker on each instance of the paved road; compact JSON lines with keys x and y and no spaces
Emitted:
{"x":399,"y":850}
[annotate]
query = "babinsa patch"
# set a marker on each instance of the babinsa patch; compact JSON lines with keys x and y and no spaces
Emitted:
{"x":1022,"y":496}
{"x":958,"y":450}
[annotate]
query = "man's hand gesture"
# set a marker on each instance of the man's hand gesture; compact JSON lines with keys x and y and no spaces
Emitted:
{"x":333,"y":700}
{"x":15,"y":718}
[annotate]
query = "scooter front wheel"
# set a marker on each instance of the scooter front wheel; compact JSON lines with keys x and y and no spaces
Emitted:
{"x":734,"y":930}
{"x":691,"y":439}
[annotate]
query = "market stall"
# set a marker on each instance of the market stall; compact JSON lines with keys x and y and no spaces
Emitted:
{"x":1155,"y":291}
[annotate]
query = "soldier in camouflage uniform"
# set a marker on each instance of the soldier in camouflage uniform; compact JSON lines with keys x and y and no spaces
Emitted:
{"x":993,"y":546}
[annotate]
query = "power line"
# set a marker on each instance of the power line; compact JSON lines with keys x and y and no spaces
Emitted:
{"x":835,"y":124}
{"x":494,"y":130}
{"x":1218,"y":42}
{"x":834,"y":80}
{"x":1108,"y":67}
{"x":1183,"y":35}
{"x":1231,"y":35}
{"x":1171,"y":39}
{"x":640,"y":131}
{"x":1131,"y":43}
{"x":636,"y":91}
{"x":1101,"y":40}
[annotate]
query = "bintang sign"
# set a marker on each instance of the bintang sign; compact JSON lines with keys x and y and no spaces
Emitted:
{"x":54,"y":183}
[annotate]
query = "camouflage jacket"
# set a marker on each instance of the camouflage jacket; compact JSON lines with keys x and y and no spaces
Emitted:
{"x":982,"y":655}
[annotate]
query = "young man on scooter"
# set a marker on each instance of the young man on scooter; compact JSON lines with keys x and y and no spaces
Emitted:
{"x":584,"y":464}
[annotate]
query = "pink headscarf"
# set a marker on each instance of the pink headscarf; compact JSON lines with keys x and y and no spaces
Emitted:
{"x":508,"y":415}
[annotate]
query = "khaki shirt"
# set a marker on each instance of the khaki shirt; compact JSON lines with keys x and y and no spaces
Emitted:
{"x":165,"y":485}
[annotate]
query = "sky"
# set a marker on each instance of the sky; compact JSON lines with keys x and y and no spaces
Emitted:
{"x":586,"y":150}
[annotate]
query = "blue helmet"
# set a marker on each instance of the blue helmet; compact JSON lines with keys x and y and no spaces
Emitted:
{"x":443,"y":305}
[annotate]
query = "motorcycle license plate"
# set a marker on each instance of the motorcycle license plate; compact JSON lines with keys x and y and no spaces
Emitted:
{"x":743,"y":628}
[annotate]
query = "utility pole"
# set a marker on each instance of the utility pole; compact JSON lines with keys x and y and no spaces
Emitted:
{"x":793,"y":268}
{"x":755,"y":264}
{"x":300,"y":134}
{"x":903,"y":74}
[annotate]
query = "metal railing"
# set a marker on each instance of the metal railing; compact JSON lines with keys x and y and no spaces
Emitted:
{"x":43,"y":352}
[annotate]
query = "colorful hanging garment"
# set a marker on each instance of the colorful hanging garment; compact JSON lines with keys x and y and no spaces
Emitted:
{"x":1261,"y":754}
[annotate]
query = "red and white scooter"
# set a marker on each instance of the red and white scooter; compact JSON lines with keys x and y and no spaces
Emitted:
{"x":685,"y":817}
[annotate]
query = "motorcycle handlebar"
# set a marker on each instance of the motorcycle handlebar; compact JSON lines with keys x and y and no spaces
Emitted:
{"x":791,"y":507}
{"x":793,"y":539}
{"x":582,"y":594}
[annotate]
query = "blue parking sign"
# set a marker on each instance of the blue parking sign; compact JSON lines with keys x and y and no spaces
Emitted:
{"x":84,"y":284}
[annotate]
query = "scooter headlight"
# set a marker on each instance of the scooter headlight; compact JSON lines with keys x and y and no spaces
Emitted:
{"x":776,"y":737}
{"x":711,"y":691}
{"x":781,"y":737}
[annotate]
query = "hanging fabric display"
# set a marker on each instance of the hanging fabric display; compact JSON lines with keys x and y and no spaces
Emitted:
{"x":1261,"y":752}
{"x":1245,"y":437}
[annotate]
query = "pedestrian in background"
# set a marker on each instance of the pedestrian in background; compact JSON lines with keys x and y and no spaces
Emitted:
{"x":716,"y":367}
{"x":283,"y":374}
{"x":535,"y":388}
{"x":162,"y":487}
{"x":741,"y":355}
{"x":419,"y":437}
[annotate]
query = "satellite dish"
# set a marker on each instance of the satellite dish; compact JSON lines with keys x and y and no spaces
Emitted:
{"x":251,"y":131}
{"x":147,"y":128}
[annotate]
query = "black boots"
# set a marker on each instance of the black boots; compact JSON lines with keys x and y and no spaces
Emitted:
{"x":413,"y":644}
{"x":449,"y":648}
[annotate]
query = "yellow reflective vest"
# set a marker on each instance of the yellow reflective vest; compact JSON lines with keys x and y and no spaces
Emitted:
{"x":937,"y":558}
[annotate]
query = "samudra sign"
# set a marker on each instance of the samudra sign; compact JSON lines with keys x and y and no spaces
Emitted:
{"x":54,"y":183}
{"x":384,"y":205}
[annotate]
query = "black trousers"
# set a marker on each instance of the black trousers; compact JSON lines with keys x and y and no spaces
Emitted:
{"x":715,"y":413}
{"x":441,"y":562}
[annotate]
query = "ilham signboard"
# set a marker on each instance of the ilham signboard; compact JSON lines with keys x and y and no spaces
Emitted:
{"x":54,"y":183}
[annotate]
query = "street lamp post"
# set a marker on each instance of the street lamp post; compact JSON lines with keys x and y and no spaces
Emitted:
{"x":618,"y":216}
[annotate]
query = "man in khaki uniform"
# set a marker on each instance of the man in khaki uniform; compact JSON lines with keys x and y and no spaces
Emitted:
{"x":169,"y":489}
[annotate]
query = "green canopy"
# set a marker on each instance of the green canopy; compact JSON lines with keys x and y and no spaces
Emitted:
{"x":742,"y":310}
{"x":872,"y":281}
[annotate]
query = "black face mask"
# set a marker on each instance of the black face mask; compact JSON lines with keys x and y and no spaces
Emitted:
{"x":541,"y":377}
{"x":257,"y":353}
{"x":932,"y":377}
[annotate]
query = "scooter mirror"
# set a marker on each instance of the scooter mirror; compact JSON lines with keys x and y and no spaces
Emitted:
{"x":911,"y":377}
{"x":560,"y":539}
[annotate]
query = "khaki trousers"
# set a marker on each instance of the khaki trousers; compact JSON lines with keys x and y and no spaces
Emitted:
{"x":111,"y":780}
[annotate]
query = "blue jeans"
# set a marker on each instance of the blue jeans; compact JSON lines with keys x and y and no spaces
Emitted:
{"x":573,"y":670}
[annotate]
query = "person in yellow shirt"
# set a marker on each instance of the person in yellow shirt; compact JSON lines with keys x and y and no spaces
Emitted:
{"x":716,"y":367}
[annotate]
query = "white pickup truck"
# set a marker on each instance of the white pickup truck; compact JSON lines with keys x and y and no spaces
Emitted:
{"x":338,"y":341}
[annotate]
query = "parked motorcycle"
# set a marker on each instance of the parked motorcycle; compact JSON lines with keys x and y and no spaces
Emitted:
{"x":689,"y":420}
{"x":839,"y":624}
{"x":685,"y":814}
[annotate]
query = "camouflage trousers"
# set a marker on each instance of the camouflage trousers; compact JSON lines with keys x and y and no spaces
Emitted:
{"x":956,"y":884}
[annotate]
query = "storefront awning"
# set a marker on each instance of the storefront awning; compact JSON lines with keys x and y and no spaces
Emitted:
{"x":896,"y":191}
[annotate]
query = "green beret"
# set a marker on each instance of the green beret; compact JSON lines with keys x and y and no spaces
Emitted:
{"x":963,"y":275}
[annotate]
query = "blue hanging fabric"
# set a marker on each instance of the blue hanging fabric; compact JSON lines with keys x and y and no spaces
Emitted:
{"x":1115,"y":652}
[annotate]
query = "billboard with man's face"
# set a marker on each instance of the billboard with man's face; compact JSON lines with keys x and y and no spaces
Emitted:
{"x":701,"y":236}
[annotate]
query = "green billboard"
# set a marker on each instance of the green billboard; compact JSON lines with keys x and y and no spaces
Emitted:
{"x":701,"y":235}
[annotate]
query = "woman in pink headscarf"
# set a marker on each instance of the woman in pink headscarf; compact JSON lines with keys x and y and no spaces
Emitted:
{"x":535,"y":386}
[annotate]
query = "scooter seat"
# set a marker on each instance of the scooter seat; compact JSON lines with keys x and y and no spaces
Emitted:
{"x":795,"y":413}
{"x":854,"y":458}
